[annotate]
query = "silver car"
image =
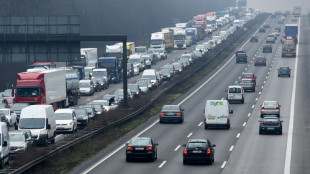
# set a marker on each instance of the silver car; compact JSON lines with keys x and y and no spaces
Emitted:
{"x":270,"y":108}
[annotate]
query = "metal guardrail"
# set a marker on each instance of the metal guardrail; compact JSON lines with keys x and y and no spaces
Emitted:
{"x":96,"y":131}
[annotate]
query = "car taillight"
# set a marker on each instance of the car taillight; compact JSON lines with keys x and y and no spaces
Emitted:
{"x":129,"y":148}
{"x":264,"y":61}
{"x":278,"y":71}
{"x":279,"y":124}
{"x":262,"y":124}
{"x":251,"y":83}
{"x":162,"y":113}
{"x":179,"y":113}
{"x":208,"y":151}
{"x":277,"y":108}
{"x":263,"y":108}
{"x":149,"y":148}
{"x":255,"y":61}
{"x":241,"y":83}
{"x":228,"y":117}
{"x":185,"y":151}
{"x":205,"y":117}
{"x":253,"y":78}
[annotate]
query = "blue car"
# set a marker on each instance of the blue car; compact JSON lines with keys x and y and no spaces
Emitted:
{"x":271,"y":124}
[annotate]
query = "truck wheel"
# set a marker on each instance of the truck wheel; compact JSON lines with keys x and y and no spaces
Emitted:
{"x":206,"y":126}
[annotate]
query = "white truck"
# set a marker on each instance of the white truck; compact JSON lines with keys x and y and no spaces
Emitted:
{"x":179,"y":38}
{"x":115,"y":50}
{"x":162,"y":39}
{"x":90,"y":56}
{"x":181,"y":25}
{"x":216,"y":114}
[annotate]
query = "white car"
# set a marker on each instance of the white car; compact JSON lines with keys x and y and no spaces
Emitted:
{"x":106,"y":105}
{"x":201,"y":48}
{"x":66,"y":120}
{"x":207,"y":45}
{"x":10,"y":116}
{"x":217,"y":39}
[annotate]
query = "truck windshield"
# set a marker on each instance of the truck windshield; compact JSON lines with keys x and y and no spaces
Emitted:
{"x":117,"y":54}
{"x":31,"y":123}
{"x":27,"y":92}
{"x":212,"y":22}
{"x":63,"y":116}
{"x":179,"y":37}
{"x":156,"y":42}
{"x":106,"y":64}
{"x":99,"y":73}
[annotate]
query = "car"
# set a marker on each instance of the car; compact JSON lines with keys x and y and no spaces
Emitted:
{"x":106,"y":104}
{"x":273,"y":16}
{"x":17,"y":108}
{"x":247,"y":84}
{"x":262,"y":30}
{"x":267,"y":48}
{"x":271,"y":38}
{"x":170,"y":67}
{"x":270,"y":124}
{"x":10,"y":115}
{"x":141,"y":148}
{"x":270,"y":108}
{"x":135,"y":90}
{"x":10,"y":101}
{"x":98,"y":107}
{"x":160,"y":77}
{"x":239,"y":51}
{"x":87,"y":87}
{"x":278,"y":29}
{"x":4,"y":119}
{"x":235,"y":93}
{"x":281,"y":21}
{"x":254,"y":39}
{"x":198,"y":150}
{"x":20,"y":140}
{"x":201,"y":49}
{"x":8,"y":93}
{"x":241,"y":57}
{"x":267,"y":25}
{"x":143,"y":86}
{"x":171,"y":113}
{"x":82,"y":117}
{"x":130,"y":70}
{"x":249,"y":76}
{"x":167,"y":76}
{"x":148,"y":81}
{"x":178,"y":66}
{"x":260,"y":60}
{"x":284,"y":71}
{"x":90,"y":109}
{"x":66,"y":120}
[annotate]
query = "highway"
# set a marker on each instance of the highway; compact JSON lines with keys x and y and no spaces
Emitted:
{"x":233,"y":146}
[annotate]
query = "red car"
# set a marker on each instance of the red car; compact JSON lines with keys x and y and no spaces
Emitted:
{"x":10,"y":100}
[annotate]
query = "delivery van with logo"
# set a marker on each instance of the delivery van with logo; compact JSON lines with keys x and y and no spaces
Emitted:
{"x":216,"y":114}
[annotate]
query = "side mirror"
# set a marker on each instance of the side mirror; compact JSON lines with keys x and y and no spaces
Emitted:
{"x":126,"y":144}
{"x":5,"y":143}
{"x":231,"y":111}
{"x":155,"y":144}
{"x":183,"y":145}
{"x":48,"y":126}
{"x":213,"y":145}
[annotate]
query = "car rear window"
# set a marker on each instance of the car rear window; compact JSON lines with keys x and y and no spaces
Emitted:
{"x":260,"y":58}
{"x":171,"y":108}
{"x":246,"y":81}
{"x":273,"y":120}
{"x":140,"y":142}
{"x":234,"y":90}
{"x":284,"y":68}
{"x":271,"y":103}
{"x":248,"y":75}
{"x":197,"y":145}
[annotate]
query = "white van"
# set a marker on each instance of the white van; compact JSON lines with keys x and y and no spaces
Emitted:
{"x":151,"y":74}
{"x":40,"y":120}
{"x":216,"y":113}
{"x":235,"y":93}
{"x":4,"y":144}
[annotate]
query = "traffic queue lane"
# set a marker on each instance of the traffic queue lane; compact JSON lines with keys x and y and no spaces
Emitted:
{"x":266,"y":153}
{"x":168,"y":135}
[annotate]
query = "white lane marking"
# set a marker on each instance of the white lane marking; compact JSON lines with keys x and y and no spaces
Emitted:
{"x":222,"y":99}
{"x":288,"y":155}
{"x":244,"y":124}
{"x":239,"y":77}
{"x":190,"y":134}
{"x":248,"y":64}
{"x":268,"y":72}
{"x":256,"y":99}
{"x":177,"y":147}
{"x":238,"y":135}
{"x":252,"y":106}
{"x":259,"y":93}
{"x":246,"y":69}
{"x":162,"y":164}
{"x":264,"y":82}
{"x":223,"y":165}
{"x":200,"y":124}
{"x":231,"y":148}
{"x":266,"y":77}
{"x":236,"y":81}
{"x":118,"y":149}
{"x":251,"y":61}
{"x":249,"y":114}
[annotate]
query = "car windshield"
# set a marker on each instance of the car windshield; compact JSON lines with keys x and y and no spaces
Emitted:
{"x":80,"y":112}
{"x":241,"y":54}
{"x":171,"y":108}
{"x":197,"y":145}
{"x":234,"y":90}
{"x":5,"y":111}
{"x":97,"y":107}
{"x":270,"y":103}
{"x":18,"y":106}
{"x":151,"y":77}
{"x":63,"y":116}
{"x":246,"y":81}
{"x":271,"y":120}
{"x":156,"y":42}
{"x":177,"y":65}
{"x":134,"y":61}
{"x":186,"y":56}
{"x":10,"y":100}
{"x":17,"y":138}
{"x":200,"y":47}
{"x":140,"y":142}
{"x":142,"y":83}
{"x":84,"y":84}
{"x":133,"y":87}
{"x":260,"y":58}
{"x":165,"y":72}
{"x":89,"y":109}
{"x":99,"y":73}
{"x":140,"y":50}
{"x":32,"y":123}
{"x":284,"y":68}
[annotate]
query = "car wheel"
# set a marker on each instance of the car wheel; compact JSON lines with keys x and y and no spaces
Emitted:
{"x":280,"y":132}
{"x":227,"y":126}
{"x":160,"y":121}
{"x":260,"y":132}
{"x":185,"y":162}
{"x":261,"y":115}
{"x":128,"y":159}
{"x":278,"y":75}
{"x":289,"y":75}
{"x":2,"y":164}
{"x":53,"y":139}
{"x":254,"y":90}
{"x":242,"y":101}
{"x":206,"y":126}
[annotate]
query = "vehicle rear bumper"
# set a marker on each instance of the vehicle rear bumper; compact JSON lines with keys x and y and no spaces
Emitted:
{"x":197,"y":158}
{"x":170,"y":119}
{"x":270,"y":128}
{"x":130,"y":154}
{"x":270,"y":112}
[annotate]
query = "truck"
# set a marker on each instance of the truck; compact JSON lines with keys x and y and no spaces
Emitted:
{"x":42,"y":87}
{"x":112,"y":66}
{"x":200,"y":31}
{"x":72,"y":85}
{"x":91,"y":56}
{"x":130,"y":47}
{"x":115,"y":50}
{"x":179,"y":38}
{"x":211,"y":25}
{"x":203,"y":24}
{"x":192,"y":34}
{"x":289,"y":40}
{"x":297,"y":11}
{"x":163,"y":39}
{"x":181,"y":25}
{"x":42,"y":65}
{"x":291,"y":30}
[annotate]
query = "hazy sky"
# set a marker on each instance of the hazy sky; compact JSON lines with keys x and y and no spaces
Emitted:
{"x":273,"y":5}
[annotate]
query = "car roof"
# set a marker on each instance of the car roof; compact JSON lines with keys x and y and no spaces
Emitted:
{"x":271,"y":117}
{"x":235,"y":86}
{"x":141,"y":138}
{"x":197,"y":140}
{"x":68,"y":110}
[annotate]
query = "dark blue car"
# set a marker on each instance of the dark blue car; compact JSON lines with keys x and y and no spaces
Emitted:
{"x":270,"y":125}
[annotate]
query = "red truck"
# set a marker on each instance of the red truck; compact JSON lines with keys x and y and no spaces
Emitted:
{"x":42,"y":87}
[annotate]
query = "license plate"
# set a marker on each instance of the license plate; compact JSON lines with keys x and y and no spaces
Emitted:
{"x":78,"y":123}
{"x":197,"y":151}
{"x":270,"y":128}
{"x":139,"y":148}
{"x":170,"y":114}
{"x":211,"y":118}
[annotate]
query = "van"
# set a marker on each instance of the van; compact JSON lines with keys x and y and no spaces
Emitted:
{"x":4,"y":144}
{"x":151,"y":74}
{"x":216,"y":114}
{"x":235,"y":93}
{"x":87,"y":87}
{"x":40,"y":120}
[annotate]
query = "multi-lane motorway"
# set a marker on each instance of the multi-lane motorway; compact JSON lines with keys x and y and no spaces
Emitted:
{"x":240,"y":149}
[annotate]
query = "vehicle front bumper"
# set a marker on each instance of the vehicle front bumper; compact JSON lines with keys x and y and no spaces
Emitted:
{"x":63,"y":128}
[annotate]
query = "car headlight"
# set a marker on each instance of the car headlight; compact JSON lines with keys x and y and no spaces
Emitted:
{"x":69,"y":124}
{"x":137,"y":92}
{"x":85,"y":118}
{"x":113,"y":78}
{"x":101,"y":83}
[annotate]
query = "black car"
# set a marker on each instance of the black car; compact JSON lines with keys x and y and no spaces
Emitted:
{"x":198,"y":150}
{"x":82,"y":117}
{"x":239,"y":51}
{"x":141,"y":148}
{"x":284,"y":71}
{"x":267,"y":48}
{"x":135,"y":90}
{"x":254,"y":39}
{"x":262,"y":30}
{"x":266,"y":25}
{"x":270,"y":124}
{"x":171,"y":113}
{"x":260,"y":60}
{"x":241,"y":57}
